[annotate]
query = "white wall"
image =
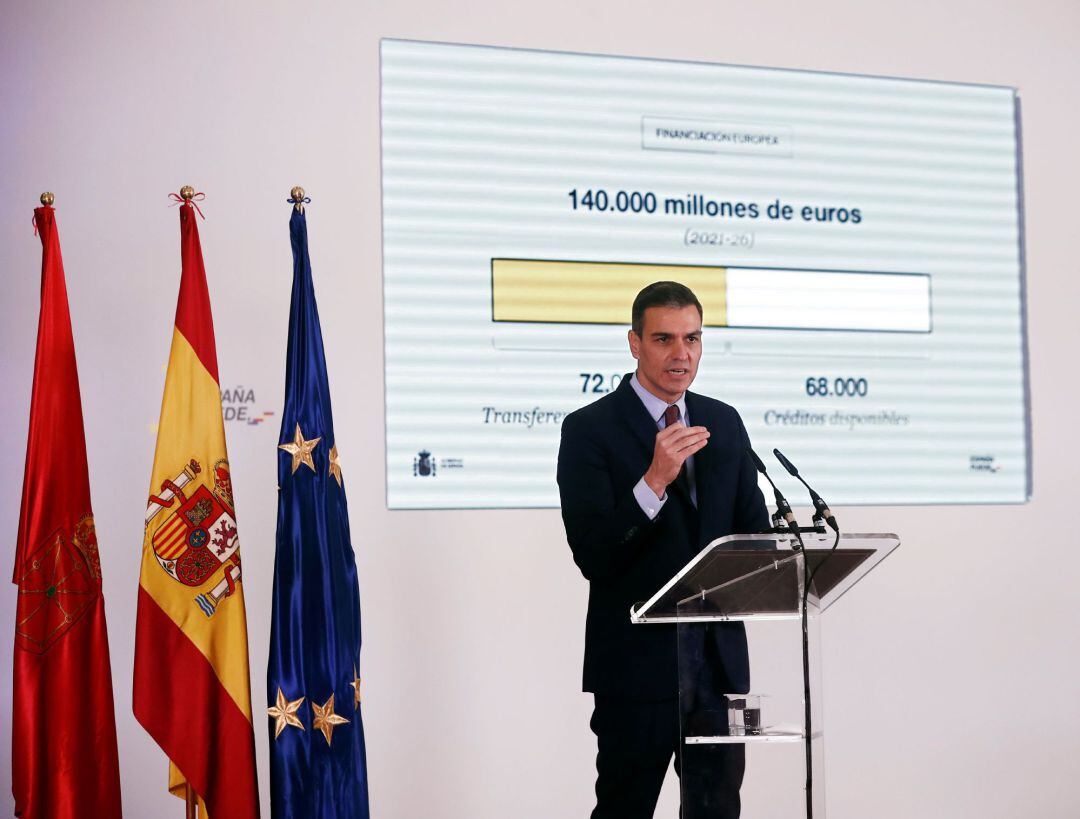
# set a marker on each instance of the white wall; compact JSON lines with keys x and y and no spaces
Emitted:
{"x":951,"y":676}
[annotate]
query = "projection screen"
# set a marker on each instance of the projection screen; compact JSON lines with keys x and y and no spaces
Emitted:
{"x":856,"y":243}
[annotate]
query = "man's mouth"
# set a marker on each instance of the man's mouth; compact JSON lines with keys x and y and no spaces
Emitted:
{"x":678,"y":371}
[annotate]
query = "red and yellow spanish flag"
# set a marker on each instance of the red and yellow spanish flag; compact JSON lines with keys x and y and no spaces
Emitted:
{"x":63,"y":762}
{"x":192,"y":690}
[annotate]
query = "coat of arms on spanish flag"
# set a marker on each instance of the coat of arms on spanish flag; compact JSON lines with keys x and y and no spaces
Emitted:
{"x":192,"y":690}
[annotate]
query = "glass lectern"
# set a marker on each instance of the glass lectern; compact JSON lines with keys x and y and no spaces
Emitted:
{"x":763,"y":746}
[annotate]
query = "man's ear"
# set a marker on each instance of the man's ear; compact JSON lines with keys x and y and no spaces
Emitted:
{"x":635,"y":342}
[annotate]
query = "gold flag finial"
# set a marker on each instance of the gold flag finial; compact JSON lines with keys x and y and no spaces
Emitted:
{"x":187,"y":193}
{"x":47,"y":198}
{"x":297,"y":197}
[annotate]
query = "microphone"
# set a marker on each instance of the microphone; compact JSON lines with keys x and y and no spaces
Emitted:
{"x":821,"y":509}
{"x":783,"y":508}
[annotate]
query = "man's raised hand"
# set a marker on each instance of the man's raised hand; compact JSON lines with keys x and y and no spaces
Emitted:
{"x":674,"y":444}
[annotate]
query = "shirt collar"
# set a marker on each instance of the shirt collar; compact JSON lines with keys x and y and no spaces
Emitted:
{"x":654,"y":405}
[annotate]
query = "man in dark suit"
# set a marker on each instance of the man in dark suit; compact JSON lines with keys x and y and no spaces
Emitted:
{"x":648,"y":475}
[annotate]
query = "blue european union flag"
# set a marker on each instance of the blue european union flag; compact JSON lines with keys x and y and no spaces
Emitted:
{"x":318,"y":763}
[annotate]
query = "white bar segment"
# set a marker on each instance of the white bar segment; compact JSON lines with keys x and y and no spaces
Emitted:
{"x":816,"y":300}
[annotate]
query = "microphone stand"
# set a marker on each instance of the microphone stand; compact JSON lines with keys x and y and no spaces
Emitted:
{"x":822,"y":514}
{"x":804,"y":617}
{"x":783,"y":513}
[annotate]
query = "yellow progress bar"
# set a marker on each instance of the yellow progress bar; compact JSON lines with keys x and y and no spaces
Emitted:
{"x":594,"y":292}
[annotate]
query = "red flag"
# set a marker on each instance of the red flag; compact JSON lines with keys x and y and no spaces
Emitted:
{"x":63,"y":757}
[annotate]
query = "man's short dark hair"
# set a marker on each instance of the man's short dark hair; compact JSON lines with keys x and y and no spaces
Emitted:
{"x":661,"y":294}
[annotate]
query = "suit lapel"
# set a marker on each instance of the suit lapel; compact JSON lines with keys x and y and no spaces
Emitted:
{"x":699,"y":417}
{"x":633,"y":414}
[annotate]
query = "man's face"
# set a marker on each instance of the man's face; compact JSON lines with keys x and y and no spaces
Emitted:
{"x":668,"y":350}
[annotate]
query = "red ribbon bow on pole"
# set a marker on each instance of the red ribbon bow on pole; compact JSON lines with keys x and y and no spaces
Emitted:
{"x":193,"y":201}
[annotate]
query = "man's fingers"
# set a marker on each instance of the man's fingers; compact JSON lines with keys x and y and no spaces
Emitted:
{"x":676,"y":443}
{"x":682,"y":454}
{"x":670,"y":430}
{"x":691,"y":438}
{"x":677,"y":431}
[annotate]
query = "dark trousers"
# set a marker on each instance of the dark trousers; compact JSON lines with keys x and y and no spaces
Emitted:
{"x":635,"y":744}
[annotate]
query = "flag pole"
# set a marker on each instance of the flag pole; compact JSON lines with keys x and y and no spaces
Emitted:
{"x":47,"y":199}
{"x":191,"y":800}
